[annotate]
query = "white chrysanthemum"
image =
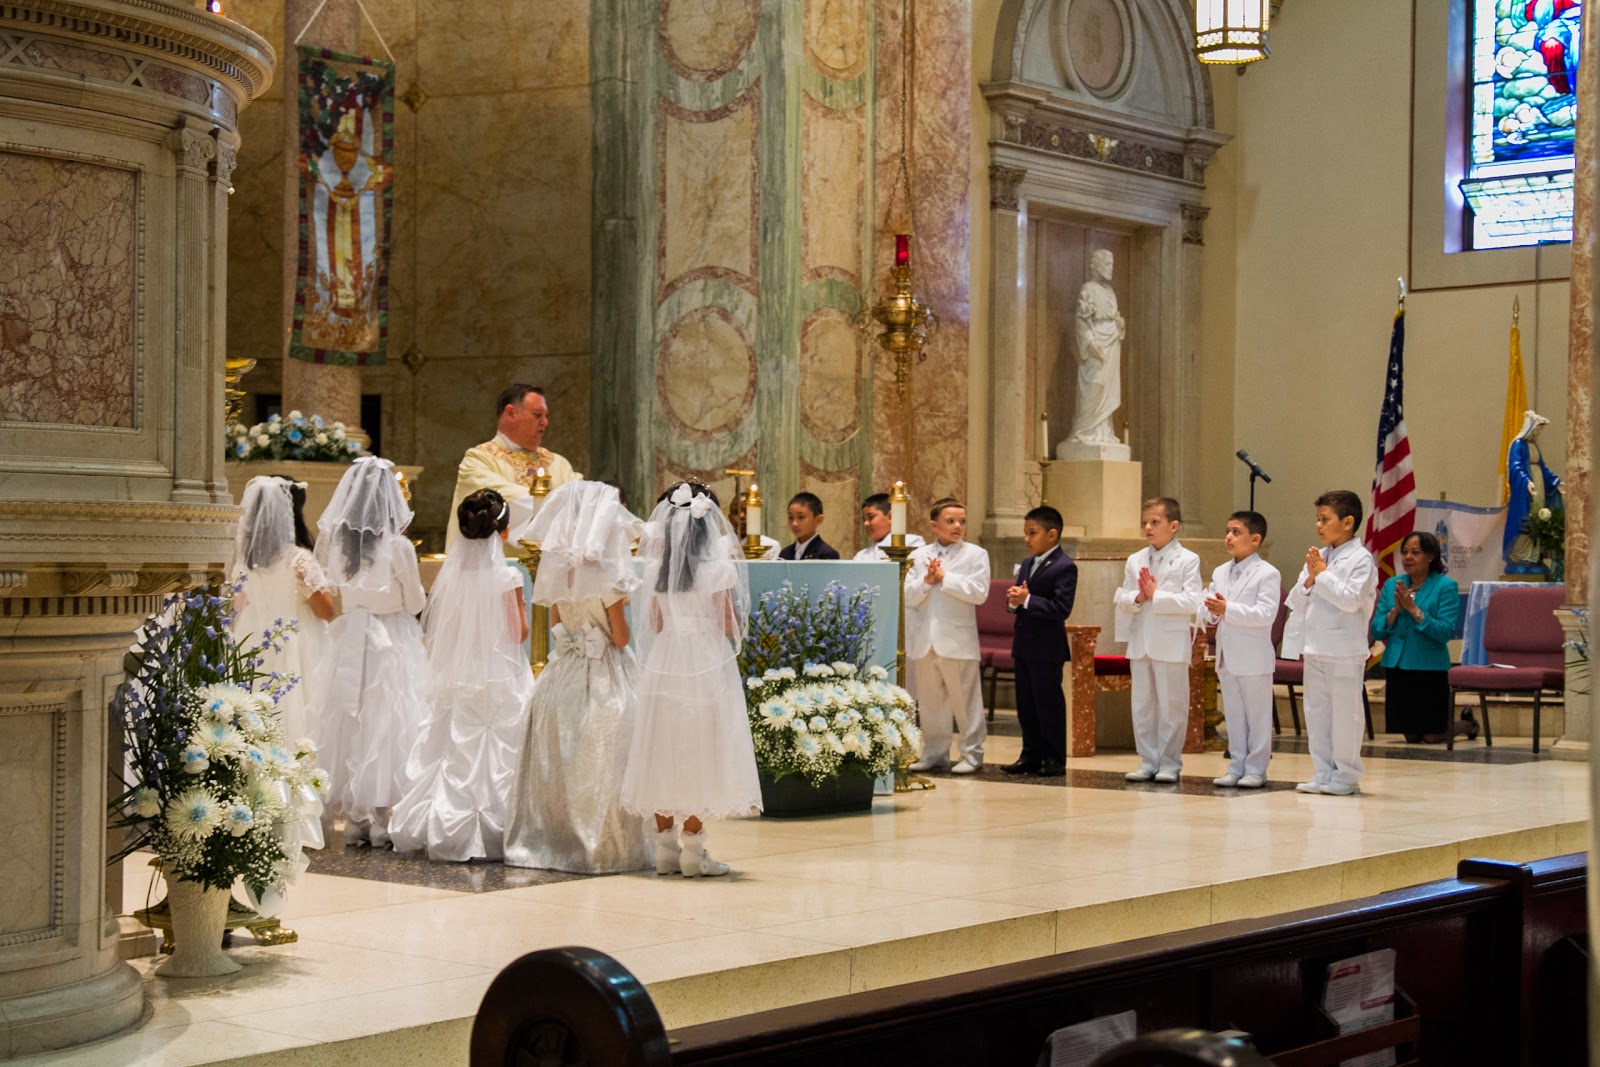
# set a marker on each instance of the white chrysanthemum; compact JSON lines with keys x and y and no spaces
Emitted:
{"x":809,"y":746}
{"x":813,"y":670}
{"x":752,"y":684}
{"x":818,"y":724}
{"x":841,"y":721}
{"x":775,"y":713}
{"x":864,"y":740}
{"x":251,"y":724}
{"x":193,"y":814}
{"x":219,"y":739}
{"x":255,"y":701}
{"x":824,"y":671}
{"x":304,"y":747}
{"x":891,"y":736}
{"x":798,"y":725}
{"x":239,"y":818}
{"x":897,"y":716}
{"x":266,"y":799}
{"x":786,"y":673}
{"x":277,"y":762}
{"x":146,"y":802}
{"x":194,"y":759}
{"x":912,"y":735}
{"x":877,"y":673}
{"x":771,"y":673}
{"x":831,"y":739}
{"x":850,"y":741}
{"x":844,"y":670}
{"x":874,"y":714}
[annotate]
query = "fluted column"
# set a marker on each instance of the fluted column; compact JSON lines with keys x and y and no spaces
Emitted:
{"x":1010,"y":421}
{"x":194,"y":149}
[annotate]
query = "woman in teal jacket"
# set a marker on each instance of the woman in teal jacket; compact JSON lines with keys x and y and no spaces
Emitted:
{"x":1416,"y":618}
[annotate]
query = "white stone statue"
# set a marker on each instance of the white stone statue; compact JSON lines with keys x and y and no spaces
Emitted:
{"x":1099,"y":333}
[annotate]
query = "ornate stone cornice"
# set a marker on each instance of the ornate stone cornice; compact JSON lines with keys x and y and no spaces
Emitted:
{"x":175,"y":30}
{"x":1035,"y":120}
{"x":100,"y":548}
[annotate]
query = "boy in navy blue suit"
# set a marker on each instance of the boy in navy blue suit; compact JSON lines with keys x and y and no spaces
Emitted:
{"x":1042,"y":599}
{"x":805,"y":517}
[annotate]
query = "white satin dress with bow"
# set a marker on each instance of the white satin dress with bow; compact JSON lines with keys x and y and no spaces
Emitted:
{"x":568,"y":813}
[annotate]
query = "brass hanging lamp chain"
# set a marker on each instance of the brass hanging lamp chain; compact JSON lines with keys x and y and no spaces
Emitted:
{"x":903,"y":173}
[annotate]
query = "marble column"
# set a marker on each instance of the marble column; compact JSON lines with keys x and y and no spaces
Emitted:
{"x":1009,"y":440}
{"x":325,"y":389}
{"x":1583,"y":357}
{"x":117,"y":142}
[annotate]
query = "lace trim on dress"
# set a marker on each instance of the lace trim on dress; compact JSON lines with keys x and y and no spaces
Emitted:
{"x":309,"y":574}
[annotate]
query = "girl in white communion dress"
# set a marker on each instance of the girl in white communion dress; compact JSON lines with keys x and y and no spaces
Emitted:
{"x":692,"y":757}
{"x":568,"y":812}
{"x":371,"y":686}
{"x":462,"y":768}
{"x":281,"y":580}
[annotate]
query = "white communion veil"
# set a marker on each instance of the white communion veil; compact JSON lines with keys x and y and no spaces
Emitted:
{"x":471,"y":625}
{"x":366,"y":508}
{"x":691,"y":555}
{"x":585,"y":539}
{"x":266,"y":524}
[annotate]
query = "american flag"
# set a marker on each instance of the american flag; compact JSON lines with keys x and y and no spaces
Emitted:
{"x":1394,"y":490}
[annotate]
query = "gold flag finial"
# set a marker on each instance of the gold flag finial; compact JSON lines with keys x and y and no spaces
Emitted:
{"x":1516,"y":308}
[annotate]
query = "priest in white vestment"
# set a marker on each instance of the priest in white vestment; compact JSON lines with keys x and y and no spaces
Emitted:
{"x":512,"y":459}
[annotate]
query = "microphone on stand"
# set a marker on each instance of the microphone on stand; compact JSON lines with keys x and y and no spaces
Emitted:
{"x":1255,"y":472}
{"x":1255,"y":468}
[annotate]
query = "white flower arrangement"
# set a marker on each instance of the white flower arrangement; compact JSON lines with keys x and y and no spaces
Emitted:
{"x":292,"y":437}
{"x":830,"y":723}
{"x":212,"y":785}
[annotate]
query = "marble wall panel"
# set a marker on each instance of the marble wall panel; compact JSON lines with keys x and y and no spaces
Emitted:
{"x":706,"y":373}
{"x":27,"y":766}
{"x":704,"y":39}
{"x":830,"y":376}
{"x":832,"y":191}
{"x":48,"y":53}
{"x":669,"y":472}
{"x":67,"y":298}
{"x":932,"y":447}
{"x":841,"y":495}
{"x":502,"y":245}
{"x":469,"y":48}
{"x":836,"y":37}
{"x":707,"y":189}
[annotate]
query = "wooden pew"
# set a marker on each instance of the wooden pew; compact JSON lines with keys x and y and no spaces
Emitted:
{"x":1489,"y":959}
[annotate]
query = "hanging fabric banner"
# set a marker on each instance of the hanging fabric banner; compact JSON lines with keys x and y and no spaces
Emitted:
{"x":346,"y":165}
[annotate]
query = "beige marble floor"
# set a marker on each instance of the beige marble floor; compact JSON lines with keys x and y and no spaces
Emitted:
{"x":968,"y":875}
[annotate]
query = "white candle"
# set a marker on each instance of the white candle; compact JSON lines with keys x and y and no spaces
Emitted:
{"x":897,"y":517}
{"x":1044,"y":436}
{"x":752,"y":521}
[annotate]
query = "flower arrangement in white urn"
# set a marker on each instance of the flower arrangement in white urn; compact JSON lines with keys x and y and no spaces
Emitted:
{"x":211,"y":784}
{"x":818,"y":706}
{"x":293,"y":437}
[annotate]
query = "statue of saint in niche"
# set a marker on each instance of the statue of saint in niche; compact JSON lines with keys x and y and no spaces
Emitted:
{"x":1098,"y":334}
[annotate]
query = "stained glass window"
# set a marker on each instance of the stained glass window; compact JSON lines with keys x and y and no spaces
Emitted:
{"x":1524,"y":112}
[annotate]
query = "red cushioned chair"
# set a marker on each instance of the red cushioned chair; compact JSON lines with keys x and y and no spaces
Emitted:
{"x":995,"y":624}
{"x":1520,"y":629}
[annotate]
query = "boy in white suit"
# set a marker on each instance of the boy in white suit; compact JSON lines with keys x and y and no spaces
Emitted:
{"x":1156,"y":610}
{"x":947,"y":580}
{"x":1334,"y":595}
{"x":1242,"y":604}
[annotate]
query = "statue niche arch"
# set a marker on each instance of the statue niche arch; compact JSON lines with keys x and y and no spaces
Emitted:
{"x":1100,"y":132}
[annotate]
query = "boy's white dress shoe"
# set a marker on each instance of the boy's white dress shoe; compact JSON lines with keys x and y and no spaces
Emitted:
{"x":1227,"y":781}
{"x":1166,"y":777}
{"x":1252,"y":781}
{"x":1143,"y":774}
{"x":965,"y":767}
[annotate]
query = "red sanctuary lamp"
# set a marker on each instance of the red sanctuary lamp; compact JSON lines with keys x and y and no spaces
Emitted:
{"x":907,"y":322}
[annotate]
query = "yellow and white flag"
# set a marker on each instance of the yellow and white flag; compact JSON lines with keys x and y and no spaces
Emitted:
{"x":1516,"y":404}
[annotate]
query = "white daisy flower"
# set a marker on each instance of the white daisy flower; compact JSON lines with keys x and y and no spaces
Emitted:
{"x":194,"y":759}
{"x":239,"y":818}
{"x":146,"y":802}
{"x":193,"y":814}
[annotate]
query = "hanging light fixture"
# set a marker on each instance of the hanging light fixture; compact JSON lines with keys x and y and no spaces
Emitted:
{"x":907,"y":322}
{"x":1232,"y":32}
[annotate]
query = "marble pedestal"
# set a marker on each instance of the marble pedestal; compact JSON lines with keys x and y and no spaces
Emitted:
{"x":1099,"y":496}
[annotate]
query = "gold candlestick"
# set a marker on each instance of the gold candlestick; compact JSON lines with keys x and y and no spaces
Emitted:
{"x":900,"y":552}
{"x":1044,"y":478}
{"x":539,"y":630}
{"x":753,"y":548}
